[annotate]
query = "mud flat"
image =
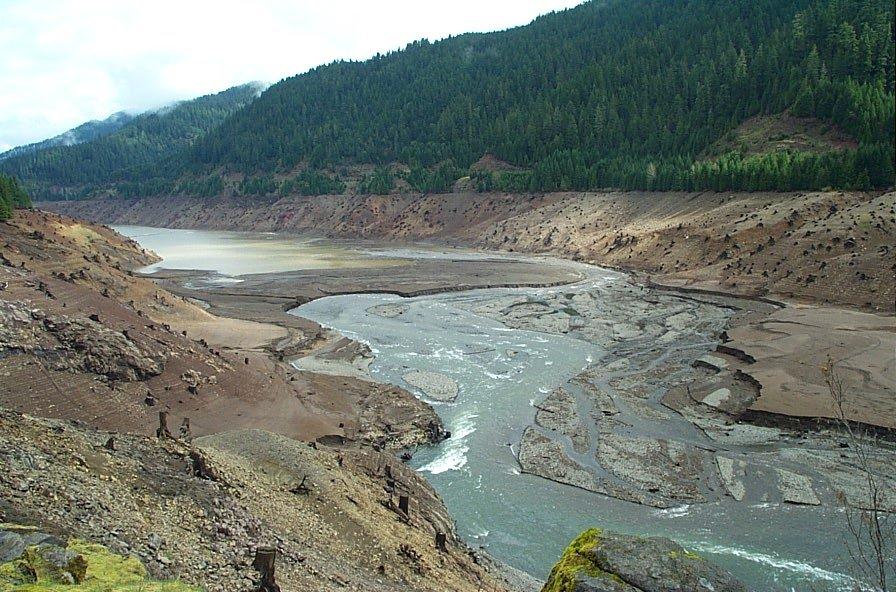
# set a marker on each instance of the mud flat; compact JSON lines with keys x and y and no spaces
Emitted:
{"x":629,"y":431}
{"x":829,"y":247}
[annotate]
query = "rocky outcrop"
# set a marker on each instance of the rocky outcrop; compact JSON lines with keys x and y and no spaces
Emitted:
{"x":600,"y":561}
{"x":558,"y":413}
{"x":77,"y":343}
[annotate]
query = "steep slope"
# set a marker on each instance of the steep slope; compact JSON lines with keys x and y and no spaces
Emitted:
{"x":138,"y":150}
{"x":196,"y":511}
{"x":633,"y":94}
{"x":608,"y":94}
{"x":85,"y":132}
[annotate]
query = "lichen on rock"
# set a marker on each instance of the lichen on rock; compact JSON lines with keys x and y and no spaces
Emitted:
{"x":600,"y":561}
{"x":576,"y":563}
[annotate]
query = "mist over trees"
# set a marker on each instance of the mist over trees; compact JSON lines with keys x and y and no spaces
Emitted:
{"x":145,"y":148}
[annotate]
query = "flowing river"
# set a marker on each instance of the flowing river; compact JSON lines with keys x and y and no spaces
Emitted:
{"x":526,"y":520}
{"x":501,"y":372}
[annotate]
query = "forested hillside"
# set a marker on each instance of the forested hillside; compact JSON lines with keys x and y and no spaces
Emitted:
{"x":12,"y":196}
{"x":139,"y":151}
{"x":646,"y":94}
{"x":83,"y":133}
{"x":618,"y":93}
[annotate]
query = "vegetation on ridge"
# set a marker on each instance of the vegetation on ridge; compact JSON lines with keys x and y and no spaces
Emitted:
{"x":12,"y":196}
{"x":631,"y":94}
{"x":606,"y":94}
{"x":574,"y":561}
{"x":142,"y":150}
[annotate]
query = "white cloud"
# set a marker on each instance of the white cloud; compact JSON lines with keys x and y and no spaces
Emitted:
{"x":63,"y":62}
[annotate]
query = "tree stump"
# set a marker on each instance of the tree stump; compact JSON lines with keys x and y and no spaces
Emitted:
{"x":163,"y":431}
{"x":264,"y":565}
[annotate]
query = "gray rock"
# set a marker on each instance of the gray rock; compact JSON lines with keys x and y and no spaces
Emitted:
{"x":62,"y":565}
{"x":796,"y":488}
{"x":539,"y":455}
{"x":34,"y":539}
{"x":435,"y":386}
{"x":657,"y":564}
{"x":625,"y":563}
{"x":12,"y":546}
{"x":558,"y":413}
{"x":586,"y":583}
{"x":731,"y":472}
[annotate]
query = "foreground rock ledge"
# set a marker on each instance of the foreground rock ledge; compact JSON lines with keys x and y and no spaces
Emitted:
{"x":599,"y":561}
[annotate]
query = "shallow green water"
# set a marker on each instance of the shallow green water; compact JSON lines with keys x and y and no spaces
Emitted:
{"x":241,"y":253}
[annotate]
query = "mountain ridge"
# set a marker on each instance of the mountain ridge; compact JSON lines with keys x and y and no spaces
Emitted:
{"x":626,"y":95}
{"x":89,"y":130}
{"x":138,"y":149}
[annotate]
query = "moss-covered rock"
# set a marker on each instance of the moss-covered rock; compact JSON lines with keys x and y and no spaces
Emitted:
{"x":600,"y":561}
{"x":576,"y":565}
{"x":79,"y":567}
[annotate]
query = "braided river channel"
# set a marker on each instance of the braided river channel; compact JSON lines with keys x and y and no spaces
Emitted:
{"x":504,"y":363}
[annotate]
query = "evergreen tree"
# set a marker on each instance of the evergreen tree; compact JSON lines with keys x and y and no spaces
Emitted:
{"x":633,"y":94}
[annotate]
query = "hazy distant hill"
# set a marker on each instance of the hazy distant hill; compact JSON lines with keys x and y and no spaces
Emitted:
{"x":139,"y":149}
{"x":78,"y":135}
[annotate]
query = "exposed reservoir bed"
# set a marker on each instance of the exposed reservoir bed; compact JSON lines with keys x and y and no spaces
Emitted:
{"x":595,"y":360}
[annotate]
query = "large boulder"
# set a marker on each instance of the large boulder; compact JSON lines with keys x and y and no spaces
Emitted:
{"x":599,"y":561}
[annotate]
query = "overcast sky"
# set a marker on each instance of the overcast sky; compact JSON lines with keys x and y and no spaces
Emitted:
{"x":63,"y":62}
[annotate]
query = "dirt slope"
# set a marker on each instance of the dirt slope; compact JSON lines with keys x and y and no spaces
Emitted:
{"x":824,"y":247}
{"x":82,"y":338}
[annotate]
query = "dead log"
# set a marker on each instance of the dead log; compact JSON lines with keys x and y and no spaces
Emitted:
{"x":202,"y":468}
{"x":264,"y":565}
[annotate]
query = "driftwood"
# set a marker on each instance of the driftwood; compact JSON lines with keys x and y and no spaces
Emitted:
{"x":264,"y":565}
